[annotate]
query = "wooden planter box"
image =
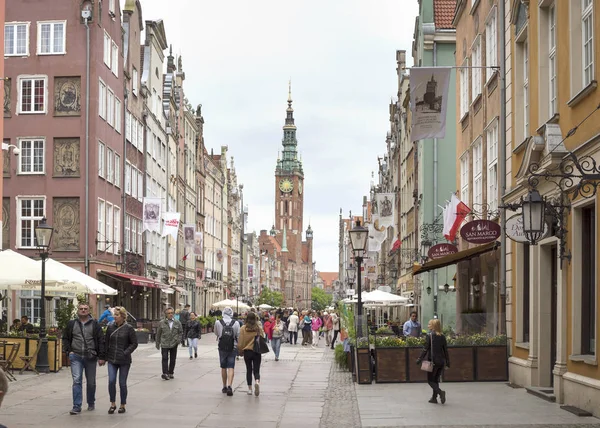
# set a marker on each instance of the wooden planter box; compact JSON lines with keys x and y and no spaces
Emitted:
{"x":468,"y":364}
{"x":142,"y":336}
{"x":364,"y":369}
{"x":29,"y":346}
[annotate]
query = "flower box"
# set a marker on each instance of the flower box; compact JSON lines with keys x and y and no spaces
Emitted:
{"x":142,"y":336}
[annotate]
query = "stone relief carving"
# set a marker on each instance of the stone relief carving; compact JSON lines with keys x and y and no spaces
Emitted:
{"x":67,"y":96}
{"x":66,"y":157}
{"x":7,"y":87}
{"x":5,"y":223}
{"x":66,"y":224}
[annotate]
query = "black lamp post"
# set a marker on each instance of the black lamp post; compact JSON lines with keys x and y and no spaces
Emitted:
{"x":43,"y":238}
{"x":358,"y":239}
{"x":205,"y":290}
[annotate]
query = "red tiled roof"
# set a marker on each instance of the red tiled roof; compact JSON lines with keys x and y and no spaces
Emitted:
{"x":328,"y":277}
{"x":443,"y":12}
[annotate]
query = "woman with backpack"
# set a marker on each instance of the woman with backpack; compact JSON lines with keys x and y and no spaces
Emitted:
{"x":249,"y":333}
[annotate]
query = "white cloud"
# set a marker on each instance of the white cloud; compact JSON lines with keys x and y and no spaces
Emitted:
{"x":340,"y":55}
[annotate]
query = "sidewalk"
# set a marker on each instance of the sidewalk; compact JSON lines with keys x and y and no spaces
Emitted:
{"x":304,"y":389}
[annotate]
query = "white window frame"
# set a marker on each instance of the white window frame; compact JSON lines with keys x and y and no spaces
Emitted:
{"x":109,"y":227}
{"x":117,"y":229}
{"x":101,"y":225}
{"x":127,"y":232}
{"x":140,"y":232}
{"x":107,"y":48}
{"x":51,"y":41}
{"x":587,"y":41}
{"x":29,"y":153}
{"x":140,"y":178}
{"x":127,"y":178}
{"x":491,"y":43}
{"x":101,"y":159}
{"x":118,"y":114}
{"x":525,"y":66}
{"x":117,"y":170}
{"x":134,"y":81}
{"x":33,"y":219}
{"x":552,"y":61}
{"x":478,"y":172}
{"x":102,"y":99}
{"x":133,"y":241}
{"x":476,"y":71}
{"x":110,"y":107}
{"x":492,"y":165}
{"x":111,"y":7}
{"x":128,"y":125}
{"x":13,"y":26}
{"x":114,"y":59}
{"x":464,"y":89}
{"x":33,"y":79}
{"x":110,"y":172}
{"x":464,"y":177}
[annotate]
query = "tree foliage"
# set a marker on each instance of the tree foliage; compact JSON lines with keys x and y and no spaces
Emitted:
{"x":272,"y":298}
{"x":320,"y":299}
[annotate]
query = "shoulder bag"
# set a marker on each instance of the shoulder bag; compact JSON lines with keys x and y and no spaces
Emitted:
{"x":260,"y":345}
{"x":427,"y":365}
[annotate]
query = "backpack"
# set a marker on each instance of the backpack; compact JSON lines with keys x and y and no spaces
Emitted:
{"x":227,"y":339}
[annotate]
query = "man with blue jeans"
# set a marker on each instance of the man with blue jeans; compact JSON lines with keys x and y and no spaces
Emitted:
{"x":83,"y":342}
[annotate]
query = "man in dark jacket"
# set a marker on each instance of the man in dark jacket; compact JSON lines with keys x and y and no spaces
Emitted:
{"x":184,"y":317}
{"x":83,"y":342}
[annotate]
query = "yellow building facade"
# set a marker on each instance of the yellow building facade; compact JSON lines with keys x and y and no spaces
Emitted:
{"x":554,"y":299}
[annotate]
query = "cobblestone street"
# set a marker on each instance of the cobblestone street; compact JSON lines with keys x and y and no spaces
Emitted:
{"x":304,"y":389}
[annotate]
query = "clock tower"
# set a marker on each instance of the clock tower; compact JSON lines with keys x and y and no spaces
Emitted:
{"x":289,"y":178}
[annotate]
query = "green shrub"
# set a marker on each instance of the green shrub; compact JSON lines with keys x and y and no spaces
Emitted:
{"x":341,"y":357}
{"x":389,"y":342}
{"x":384,"y":330}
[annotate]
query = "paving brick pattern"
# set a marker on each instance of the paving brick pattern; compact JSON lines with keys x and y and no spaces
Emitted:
{"x":341,"y":407}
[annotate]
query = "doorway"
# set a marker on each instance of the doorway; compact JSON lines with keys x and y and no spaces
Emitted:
{"x":554,"y":265}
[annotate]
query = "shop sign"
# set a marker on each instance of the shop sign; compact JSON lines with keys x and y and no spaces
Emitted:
{"x":441,"y":250}
{"x":514,"y":229}
{"x":480,"y":231}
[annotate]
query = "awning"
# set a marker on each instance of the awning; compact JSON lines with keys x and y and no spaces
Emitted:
{"x":140,"y":281}
{"x":180,"y":290}
{"x":167,"y":290}
{"x":452,"y":259}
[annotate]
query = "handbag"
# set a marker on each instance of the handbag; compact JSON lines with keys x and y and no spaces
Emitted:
{"x":426,"y":365}
{"x":260,"y":345}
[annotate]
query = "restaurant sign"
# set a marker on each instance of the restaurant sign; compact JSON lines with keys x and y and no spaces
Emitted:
{"x":480,"y":231}
{"x":441,"y":250}
{"x":514,"y":229}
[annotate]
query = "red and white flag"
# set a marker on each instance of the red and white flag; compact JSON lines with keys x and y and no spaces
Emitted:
{"x":454,"y":214}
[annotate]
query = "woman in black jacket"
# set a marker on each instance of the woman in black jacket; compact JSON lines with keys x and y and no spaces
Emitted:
{"x":120,"y":341}
{"x":436,"y":351}
{"x":193,"y":334}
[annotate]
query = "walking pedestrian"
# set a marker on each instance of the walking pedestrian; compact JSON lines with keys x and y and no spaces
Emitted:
{"x":83,"y":342}
{"x":316,"y":324}
{"x":293,"y":327}
{"x":184,"y":317}
{"x":249,"y":333}
{"x":436,"y":351}
{"x":227,"y":331}
{"x":107,"y":316}
{"x":193,"y":334}
{"x":327,"y":326}
{"x":268,"y":327}
{"x":277,"y":335}
{"x":168,"y":336}
{"x":335,"y":319}
{"x":306,"y":329}
{"x":120,"y":343}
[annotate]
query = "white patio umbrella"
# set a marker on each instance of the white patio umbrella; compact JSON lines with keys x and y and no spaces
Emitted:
{"x":265,"y":306}
{"x":19,"y":272}
{"x":382,"y":298}
{"x":72,"y":277}
{"x":232,"y":303}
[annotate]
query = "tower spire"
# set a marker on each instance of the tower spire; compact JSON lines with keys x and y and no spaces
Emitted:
{"x":289,"y":163}
{"x":290,"y":92}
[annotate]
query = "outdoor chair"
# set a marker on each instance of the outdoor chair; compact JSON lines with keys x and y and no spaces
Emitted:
{"x":6,"y":363}
{"x":28,"y":360}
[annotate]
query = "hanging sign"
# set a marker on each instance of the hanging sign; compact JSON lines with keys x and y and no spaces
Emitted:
{"x":441,"y":250}
{"x":480,"y":231}
{"x":514,"y":229}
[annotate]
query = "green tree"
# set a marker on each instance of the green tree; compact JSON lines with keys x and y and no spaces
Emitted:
{"x":272,"y":298}
{"x":320,"y":299}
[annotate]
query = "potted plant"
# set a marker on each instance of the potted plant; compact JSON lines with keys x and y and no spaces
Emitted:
{"x":142,"y":334}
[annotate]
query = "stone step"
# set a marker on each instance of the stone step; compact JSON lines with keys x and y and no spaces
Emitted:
{"x":545,"y":393}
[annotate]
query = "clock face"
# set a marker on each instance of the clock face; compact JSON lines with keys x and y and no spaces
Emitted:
{"x":286,"y":185}
{"x":300,"y":187}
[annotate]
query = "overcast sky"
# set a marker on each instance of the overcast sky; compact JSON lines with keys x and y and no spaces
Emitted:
{"x":340,"y":55}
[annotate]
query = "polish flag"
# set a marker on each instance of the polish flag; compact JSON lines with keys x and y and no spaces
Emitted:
{"x":454,"y":214}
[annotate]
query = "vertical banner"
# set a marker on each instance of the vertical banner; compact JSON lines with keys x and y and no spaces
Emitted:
{"x":428,"y":101}
{"x":152,"y":214}
{"x":386,"y":207}
{"x":250,"y":271}
{"x":189,"y":235}
{"x":235,"y":264}
{"x":171,"y":226}
{"x":376,"y":237}
{"x":220,"y":255}
{"x":199,"y":244}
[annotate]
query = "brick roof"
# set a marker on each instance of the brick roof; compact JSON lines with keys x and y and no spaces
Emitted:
{"x":443,"y":13}
{"x":328,"y":277}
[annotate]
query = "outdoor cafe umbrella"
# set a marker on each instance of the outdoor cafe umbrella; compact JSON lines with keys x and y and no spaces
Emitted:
{"x":265,"y":306}
{"x":233,"y":304}
{"x":72,"y":277}
{"x":19,"y":272}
